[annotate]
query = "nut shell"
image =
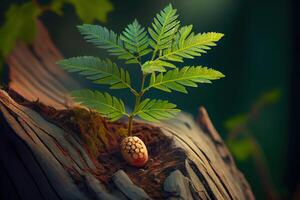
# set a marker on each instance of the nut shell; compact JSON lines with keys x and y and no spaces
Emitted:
{"x":134,"y":151}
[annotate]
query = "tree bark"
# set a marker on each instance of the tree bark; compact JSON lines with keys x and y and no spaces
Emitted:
{"x":39,"y":160}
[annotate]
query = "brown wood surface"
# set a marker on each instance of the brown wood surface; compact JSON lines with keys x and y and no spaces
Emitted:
{"x":34,"y":74}
{"x":39,"y":160}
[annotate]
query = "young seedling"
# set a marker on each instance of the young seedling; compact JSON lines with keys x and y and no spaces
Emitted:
{"x":157,"y":51}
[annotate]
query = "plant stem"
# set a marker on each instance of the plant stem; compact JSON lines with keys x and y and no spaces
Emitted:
{"x":138,"y":98}
{"x":130,"y":122}
{"x":153,"y":55}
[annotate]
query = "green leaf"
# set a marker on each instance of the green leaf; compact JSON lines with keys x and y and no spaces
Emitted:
{"x":136,"y":39}
{"x":106,"y":39}
{"x":163,"y":28}
{"x":188,"y":44}
{"x":242,"y":149}
{"x":178,"y":79}
{"x":19,"y":25}
{"x":88,"y":11}
{"x":56,"y":6}
{"x":107,"y":105}
{"x":156,"y":110}
{"x":236,"y":121}
{"x":270,"y":97}
{"x":97,"y":70}
{"x":156,"y":66}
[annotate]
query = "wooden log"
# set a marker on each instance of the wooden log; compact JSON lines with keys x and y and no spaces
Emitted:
{"x":52,"y":163}
{"x":218,"y":178}
{"x":178,"y":185}
{"x":40,"y":160}
{"x":34,"y":74}
{"x":125,"y":185}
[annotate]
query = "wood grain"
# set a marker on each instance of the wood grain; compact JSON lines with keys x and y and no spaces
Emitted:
{"x":34,"y":74}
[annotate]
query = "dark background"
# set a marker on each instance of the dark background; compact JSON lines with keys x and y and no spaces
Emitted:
{"x":259,"y":53}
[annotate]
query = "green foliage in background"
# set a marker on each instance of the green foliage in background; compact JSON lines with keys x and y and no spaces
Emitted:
{"x":20,"y":19}
{"x":19,"y":25}
{"x":154,"y":50}
{"x":88,"y":11}
{"x":244,"y":145}
{"x":240,"y":138}
{"x":241,"y":148}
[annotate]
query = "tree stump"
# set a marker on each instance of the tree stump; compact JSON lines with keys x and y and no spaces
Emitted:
{"x":41,"y":160}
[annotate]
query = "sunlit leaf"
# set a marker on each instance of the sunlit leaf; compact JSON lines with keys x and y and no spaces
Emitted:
{"x":179,"y":79}
{"x":88,"y":11}
{"x":189,"y":45}
{"x":163,"y":28}
{"x":156,"y":66}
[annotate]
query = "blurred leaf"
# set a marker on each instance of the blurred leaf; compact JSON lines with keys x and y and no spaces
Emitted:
{"x":88,"y":11}
{"x":235,"y":121}
{"x":241,"y":148}
{"x":56,"y":6}
{"x":19,"y":25}
{"x":270,"y":97}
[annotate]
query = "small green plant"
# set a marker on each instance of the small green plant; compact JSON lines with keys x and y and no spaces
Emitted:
{"x":155,"y":52}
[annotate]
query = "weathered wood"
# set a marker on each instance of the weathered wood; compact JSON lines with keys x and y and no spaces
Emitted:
{"x":125,"y":185}
{"x":53,"y":163}
{"x":39,"y":160}
{"x":178,"y":185}
{"x":99,"y":189}
{"x":215,"y":175}
{"x":34,"y":74}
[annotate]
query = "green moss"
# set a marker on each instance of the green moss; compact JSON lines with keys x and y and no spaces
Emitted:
{"x":93,"y":130}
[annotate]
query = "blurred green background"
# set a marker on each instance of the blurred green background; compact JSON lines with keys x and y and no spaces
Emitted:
{"x":255,"y":56}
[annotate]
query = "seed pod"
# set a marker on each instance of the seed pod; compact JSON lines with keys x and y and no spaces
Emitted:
{"x":134,"y":151}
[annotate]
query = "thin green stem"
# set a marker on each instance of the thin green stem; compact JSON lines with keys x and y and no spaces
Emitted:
{"x":143,"y":83}
{"x":138,"y":99}
{"x":153,"y":55}
{"x":130,"y":122}
{"x":133,"y":91}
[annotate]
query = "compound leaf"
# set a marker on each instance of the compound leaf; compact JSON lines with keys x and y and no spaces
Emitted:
{"x":156,"y":110}
{"x":136,"y":39}
{"x":106,"y":39}
{"x":107,"y":105}
{"x":163,"y":28}
{"x":97,"y":70}
{"x":178,"y":79}
{"x":156,"y":66}
{"x":188,"y":44}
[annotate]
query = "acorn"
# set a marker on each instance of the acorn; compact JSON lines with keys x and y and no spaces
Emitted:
{"x":134,"y":151}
